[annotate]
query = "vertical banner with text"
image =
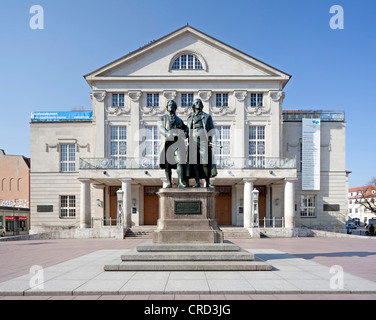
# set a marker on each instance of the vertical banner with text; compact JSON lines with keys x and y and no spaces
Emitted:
{"x":311,"y":154}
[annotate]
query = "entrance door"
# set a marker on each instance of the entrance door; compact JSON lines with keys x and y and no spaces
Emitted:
{"x":223,"y":205}
{"x":151,"y":205}
{"x":113,"y":206}
{"x":262,"y":204}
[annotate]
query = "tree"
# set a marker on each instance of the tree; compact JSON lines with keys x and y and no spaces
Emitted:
{"x":366,"y":197}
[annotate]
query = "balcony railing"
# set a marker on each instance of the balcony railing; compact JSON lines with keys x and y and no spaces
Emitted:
{"x":222,"y":163}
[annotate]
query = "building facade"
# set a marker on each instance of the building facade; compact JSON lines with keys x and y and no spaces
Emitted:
{"x":81,"y":160}
{"x":358,"y":212}
{"x":14,"y":193}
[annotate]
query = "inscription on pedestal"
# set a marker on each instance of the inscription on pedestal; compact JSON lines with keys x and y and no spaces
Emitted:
{"x":187,"y":207}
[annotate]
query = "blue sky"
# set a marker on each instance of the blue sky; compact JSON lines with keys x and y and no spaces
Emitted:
{"x":42,"y":70}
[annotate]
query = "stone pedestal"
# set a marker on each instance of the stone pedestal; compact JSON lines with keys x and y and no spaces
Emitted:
{"x":188,"y":239}
{"x":187,"y":215}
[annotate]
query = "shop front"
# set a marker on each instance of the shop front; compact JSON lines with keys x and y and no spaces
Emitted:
{"x":16,"y":221}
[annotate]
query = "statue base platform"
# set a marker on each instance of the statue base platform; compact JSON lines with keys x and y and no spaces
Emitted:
{"x":188,"y":239}
{"x":187,"y":215}
{"x":189,"y":257}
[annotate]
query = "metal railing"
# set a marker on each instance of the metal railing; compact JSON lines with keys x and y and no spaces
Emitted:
{"x":222,"y":163}
{"x":272,"y":223}
{"x":298,"y":115}
{"x":106,"y":222}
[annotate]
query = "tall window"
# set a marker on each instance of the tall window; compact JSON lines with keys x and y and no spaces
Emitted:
{"x":119,"y":146}
{"x":257,"y":99}
{"x":186,"y":99}
{"x":67,"y":206}
{"x":118,"y":99}
{"x":152,"y":140}
{"x":221,"y":100}
{"x":67,"y":158}
{"x":224,"y":139}
{"x":256,"y":146}
{"x":153,"y":100}
{"x":308,"y":206}
{"x":187,"y":62}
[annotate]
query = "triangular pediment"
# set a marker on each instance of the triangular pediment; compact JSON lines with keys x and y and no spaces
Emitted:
{"x":217,"y":58}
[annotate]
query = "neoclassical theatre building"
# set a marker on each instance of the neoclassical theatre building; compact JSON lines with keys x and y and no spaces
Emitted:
{"x":295,"y":159}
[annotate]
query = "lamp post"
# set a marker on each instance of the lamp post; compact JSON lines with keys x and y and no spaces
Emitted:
{"x":255,"y":208}
{"x":120,"y":211}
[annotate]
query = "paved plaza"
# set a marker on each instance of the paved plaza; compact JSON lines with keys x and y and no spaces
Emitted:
{"x":303,"y":268}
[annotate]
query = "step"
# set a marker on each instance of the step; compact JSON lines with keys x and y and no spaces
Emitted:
{"x":205,"y":247}
{"x":190,"y":266}
{"x":145,"y":232}
{"x":134,"y":255}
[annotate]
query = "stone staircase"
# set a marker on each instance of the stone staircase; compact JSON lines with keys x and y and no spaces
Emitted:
{"x":232,"y":232}
{"x":229,"y":232}
{"x":142,"y":232}
{"x":188,"y":257}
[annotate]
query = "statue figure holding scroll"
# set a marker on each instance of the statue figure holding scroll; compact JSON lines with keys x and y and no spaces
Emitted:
{"x":173,"y":154}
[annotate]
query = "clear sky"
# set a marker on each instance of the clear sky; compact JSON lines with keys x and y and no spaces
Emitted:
{"x":42,"y":70}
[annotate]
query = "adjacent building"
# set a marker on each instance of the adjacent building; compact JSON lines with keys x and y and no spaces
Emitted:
{"x":358,"y":212}
{"x":14,"y":193}
{"x":295,"y":159}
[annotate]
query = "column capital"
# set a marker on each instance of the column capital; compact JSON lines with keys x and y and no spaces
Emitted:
{"x":99,"y":186}
{"x":98,"y":95}
{"x":291,"y":179}
{"x":126,"y":180}
{"x":249,"y":179}
{"x":84,"y":180}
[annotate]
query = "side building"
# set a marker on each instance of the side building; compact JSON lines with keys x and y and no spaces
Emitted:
{"x":14,"y":193}
{"x":81,"y":160}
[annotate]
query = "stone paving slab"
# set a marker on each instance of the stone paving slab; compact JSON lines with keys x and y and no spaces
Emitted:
{"x":85,"y":276}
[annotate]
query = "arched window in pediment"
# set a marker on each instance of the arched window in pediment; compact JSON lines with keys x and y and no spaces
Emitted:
{"x":187,"y":61}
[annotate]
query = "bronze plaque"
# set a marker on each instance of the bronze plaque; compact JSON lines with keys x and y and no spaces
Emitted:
{"x":187,"y":207}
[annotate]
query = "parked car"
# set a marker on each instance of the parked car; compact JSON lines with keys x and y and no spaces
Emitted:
{"x":2,"y":231}
{"x":350,"y":225}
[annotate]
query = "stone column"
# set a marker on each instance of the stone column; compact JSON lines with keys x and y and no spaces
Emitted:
{"x":85,"y":212}
{"x":240,"y":129}
{"x":248,"y":187}
{"x":289,"y":209}
{"x":98,"y":98}
{"x":136,"y":126}
{"x":98,"y":211}
{"x":127,"y":202}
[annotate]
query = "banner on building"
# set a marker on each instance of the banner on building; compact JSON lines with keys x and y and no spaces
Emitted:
{"x":53,"y":116}
{"x":311,"y":154}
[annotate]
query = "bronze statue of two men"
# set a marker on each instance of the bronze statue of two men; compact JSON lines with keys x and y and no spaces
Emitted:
{"x":196,"y":161}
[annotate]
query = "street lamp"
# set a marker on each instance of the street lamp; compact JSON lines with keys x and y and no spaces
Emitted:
{"x":119,"y":218}
{"x":255,"y":208}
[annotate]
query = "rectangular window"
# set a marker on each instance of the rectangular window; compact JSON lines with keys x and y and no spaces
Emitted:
{"x":257,"y":99}
{"x":223,"y":135}
{"x":67,"y":206}
{"x":308,"y":206}
{"x":152,"y":140}
{"x":221,"y":100}
{"x":256,"y":146}
{"x":67,"y":158}
{"x":186,"y":99}
{"x":153,"y":100}
{"x":190,"y":62}
{"x":118,"y":99}
{"x":118,"y":142}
